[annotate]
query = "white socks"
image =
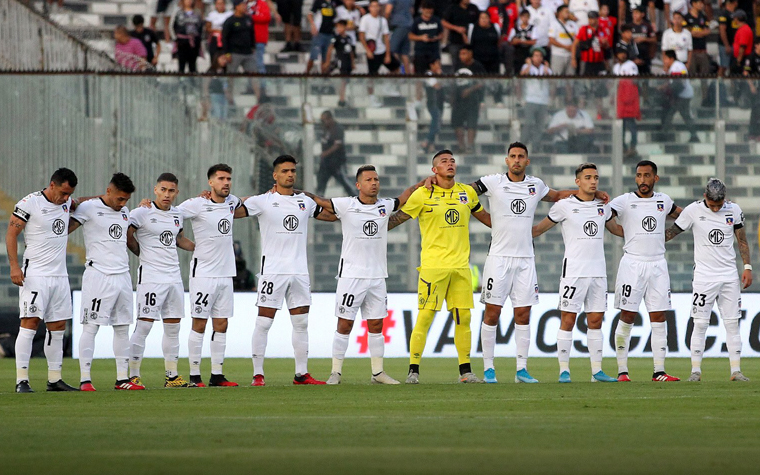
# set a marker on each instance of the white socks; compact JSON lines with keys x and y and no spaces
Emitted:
{"x":137,"y":346}
{"x":733,"y":343}
{"x":194,"y":347}
{"x":259,"y":343}
{"x":24,"y":342}
{"x":522,"y":341}
{"x":595,"y":350}
{"x":86,"y":350}
{"x":622,"y":343}
{"x":376,"y":352}
{"x":488,"y":339}
{"x":564,"y":344}
{"x":121,"y":351}
{"x":340,"y":345}
{"x":659,"y":345}
{"x":698,"y":344}
{"x":218,"y":345}
{"x":170,"y":346}
{"x":300,"y":341}
{"x":54,"y":354}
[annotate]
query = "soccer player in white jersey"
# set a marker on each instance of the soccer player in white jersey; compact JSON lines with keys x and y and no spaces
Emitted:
{"x":284,"y":275}
{"x":154,"y":235}
{"x":106,"y":284}
{"x":44,"y":294}
{"x":510,"y":269}
{"x":363,"y":268}
{"x":716,"y":223}
{"x":211,"y":272}
{"x":583,"y":284}
{"x":643,"y":271}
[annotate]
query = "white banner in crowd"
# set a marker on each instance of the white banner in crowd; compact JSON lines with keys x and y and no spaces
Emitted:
{"x":402,"y":312}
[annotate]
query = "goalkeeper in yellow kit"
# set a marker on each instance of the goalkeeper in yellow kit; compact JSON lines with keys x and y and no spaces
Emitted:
{"x":444,"y":216}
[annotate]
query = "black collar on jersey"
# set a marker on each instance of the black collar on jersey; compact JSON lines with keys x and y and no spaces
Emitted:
{"x":43,"y":194}
{"x":362,"y":202}
{"x":104,"y":203}
{"x":583,"y":201}
{"x":643,"y":197}
{"x":220,"y":202}
{"x":513,"y":181}
{"x":159,"y":208}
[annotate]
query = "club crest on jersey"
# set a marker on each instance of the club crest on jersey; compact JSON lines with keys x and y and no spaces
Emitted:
{"x":382,"y":211}
{"x":730,"y":220}
{"x":660,"y":206}
{"x":301,"y":205}
{"x":232,"y":208}
{"x":65,"y":208}
{"x":600,"y":211}
{"x":124,"y":217}
{"x":176,"y":222}
{"x":531,"y":190}
{"x":463,"y":198}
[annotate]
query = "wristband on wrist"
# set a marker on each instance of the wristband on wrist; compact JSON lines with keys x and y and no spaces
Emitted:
{"x":747,"y":266}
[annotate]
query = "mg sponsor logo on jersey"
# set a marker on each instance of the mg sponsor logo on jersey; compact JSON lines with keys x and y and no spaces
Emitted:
{"x":518,"y":206}
{"x":167,"y":238}
{"x":402,"y":314}
{"x":115,"y":231}
{"x":716,"y":236}
{"x":590,"y":228}
{"x":224,"y":226}
{"x":463,"y":198}
{"x":649,"y":224}
{"x":290,"y":222}
{"x":370,"y":228}
{"x":59,"y":227}
{"x":451,"y":216}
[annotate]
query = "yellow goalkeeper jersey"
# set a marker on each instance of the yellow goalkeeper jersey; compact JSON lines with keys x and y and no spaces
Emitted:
{"x":444,"y":217}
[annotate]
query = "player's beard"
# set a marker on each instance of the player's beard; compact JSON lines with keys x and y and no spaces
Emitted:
{"x":644,"y":189}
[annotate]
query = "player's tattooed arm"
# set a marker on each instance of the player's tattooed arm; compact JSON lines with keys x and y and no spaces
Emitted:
{"x":672,"y":232}
{"x":15,"y":226}
{"x":543,"y":226}
{"x":676,"y":212}
{"x":399,"y":217}
{"x":323,"y":202}
{"x":741,"y":240}
{"x":614,"y":227}
{"x":185,"y":243}
{"x":483,"y":216}
{"x":80,"y":200}
{"x":132,"y":243}
{"x":325,"y":215}
{"x":404,"y":196}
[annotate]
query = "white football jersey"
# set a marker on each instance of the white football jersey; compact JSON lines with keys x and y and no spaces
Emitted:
{"x":284,"y":226}
{"x":156,"y":231}
{"x":583,"y":232}
{"x":105,"y":236}
{"x":214,"y":254}
{"x":364,"y":254}
{"x":643,"y":221}
{"x":714,"y":255}
{"x":45,"y":235}
{"x":512,"y":205}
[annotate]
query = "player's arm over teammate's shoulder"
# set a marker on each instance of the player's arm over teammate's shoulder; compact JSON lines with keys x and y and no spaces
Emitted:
{"x":476,"y":208}
{"x":556,"y":215}
{"x":411,"y":209}
{"x":397,"y":218}
{"x":683,"y":222}
{"x":80,"y":216}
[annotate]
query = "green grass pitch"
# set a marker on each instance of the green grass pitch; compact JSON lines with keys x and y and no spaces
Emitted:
{"x":438,"y":427}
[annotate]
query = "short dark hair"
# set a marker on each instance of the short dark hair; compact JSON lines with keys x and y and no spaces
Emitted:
{"x":170,"y":177}
{"x":524,"y":11}
{"x":671,"y":54}
{"x":560,"y":8}
{"x":64,"y":175}
{"x":517,"y":145}
{"x":138,"y":20}
{"x":647,"y":163}
{"x":441,"y":152}
{"x":341,"y":23}
{"x":626,"y":27}
{"x":284,"y":159}
{"x":364,"y":168}
{"x":584,"y":166}
{"x":466,"y":47}
{"x":219,"y":167}
{"x":122,"y":183}
{"x":677,"y":13}
{"x":427,"y":5}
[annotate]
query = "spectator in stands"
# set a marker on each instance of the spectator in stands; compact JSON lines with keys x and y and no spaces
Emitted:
{"x":148,"y":38}
{"x":217,"y":95}
{"x":673,"y":6}
{"x":628,"y":103}
{"x":349,"y":12}
{"x":678,"y":94}
{"x":752,"y":69}
{"x":332,"y":161}
{"x":591,"y":42}
{"x":504,"y":13}
{"x":162,"y":10}
{"x":727,"y":31}
{"x":322,"y":22}
{"x":572,"y":129}
{"x":214,"y":24}
{"x":426,"y":33}
{"x":483,"y":38}
{"x":606,"y":21}
{"x":468,"y":93}
{"x":481,"y":5}
{"x":522,"y":41}
{"x":261,"y":15}
{"x":343,"y":48}
{"x":536,"y":97}
{"x":238,"y":39}
{"x":540,"y":17}
{"x":678,"y":39}
{"x":400,"y":21}
{"x":627,"y":7}
{"x":627,"y":42}
{"x":562,"y":33}
{"x":743,"y":40}
{"x":290,"y":12}
{"x":699,"y":27}
{"x":375,"y":37}
{"x":456,"y":20}
{"x":579,"y":9}
{"x":187,"y":28}
{"x":128,"y":51}
{"x":644,"y":36}
{"x":434,"y":96}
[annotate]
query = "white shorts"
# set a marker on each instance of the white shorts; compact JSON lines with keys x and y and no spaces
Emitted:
{"x":211,"y":297}
{"x":587,"y":293}
{"x":728,"y":295}
{"x":46,"y":298}
{"x":647,"y":280}
{"x":369,"y":295}
{"x":106,"y":299}
{"x":273,"y":288}
{"x":157,"y":301}
{"x":513,"y":277}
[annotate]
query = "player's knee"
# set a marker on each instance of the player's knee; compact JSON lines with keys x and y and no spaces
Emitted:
{"x":199,"y":325}
{"x":731,"y":324}
{"x":492,"y":314}
{"x":300,"y":323}
{"x":120,"y":331}
{"x":627,"y":317}
{"x":92,"y":329}
{"x":375,"y":326}
{"x":462,"y":316}
{"x":31,"y":323}
{"x":522,"y":315}
{"x":345,"y":326}
{"x":219,"y":325}
{"x":701,"y":324}
{"x":56,"y":326}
